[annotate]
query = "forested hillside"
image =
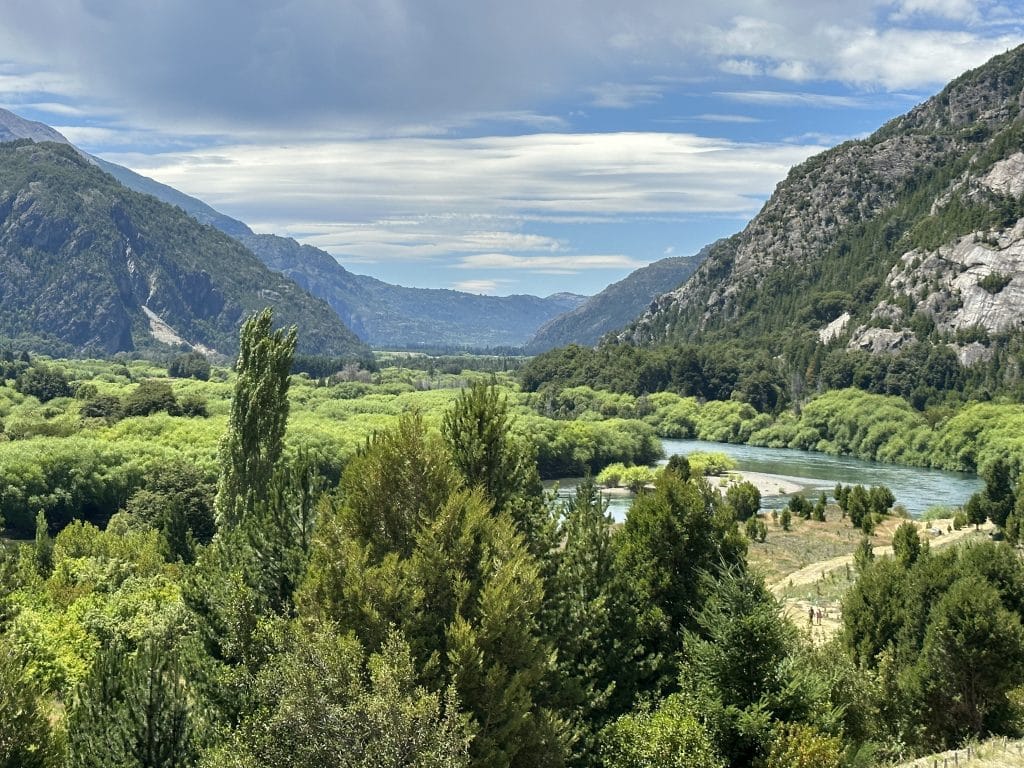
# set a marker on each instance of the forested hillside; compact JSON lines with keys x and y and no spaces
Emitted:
{"x":616,"y":306}
{"x":87,"y":265}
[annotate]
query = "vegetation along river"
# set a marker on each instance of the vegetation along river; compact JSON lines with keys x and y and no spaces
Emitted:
{"x":915,"y":488}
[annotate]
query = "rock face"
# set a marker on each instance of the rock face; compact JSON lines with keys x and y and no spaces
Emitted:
{"x":911,"y":220}
{"x":86,"y":264}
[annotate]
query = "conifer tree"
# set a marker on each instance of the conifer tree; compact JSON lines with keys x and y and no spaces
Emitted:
{"x":478,"y":430}
{"x":251,"y":447}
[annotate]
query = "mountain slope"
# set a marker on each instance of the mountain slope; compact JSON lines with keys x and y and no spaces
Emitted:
{"x":90,"y":264}
{"x":827,"y":242}
{"x":380,"y":313}
{"x":615,"y":306}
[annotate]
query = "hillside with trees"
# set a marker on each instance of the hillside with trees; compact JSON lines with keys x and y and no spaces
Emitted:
{"x":89,"y":266}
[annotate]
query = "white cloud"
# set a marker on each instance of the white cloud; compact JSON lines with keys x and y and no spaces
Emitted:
{"x":792,"y":98}
{"x":478,"y":286}
{"x":956,"y":10}
{"x":717,"y":118}
{"x":568,"y":264}
{"x":623,"y":95}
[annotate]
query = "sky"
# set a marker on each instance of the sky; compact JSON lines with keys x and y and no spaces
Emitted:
{"x":531,"y":146}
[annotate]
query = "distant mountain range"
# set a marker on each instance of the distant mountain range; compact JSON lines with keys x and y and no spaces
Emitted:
{"x":616,"y":306}
{"x":914,"y":233}
{"x":381,"y":314}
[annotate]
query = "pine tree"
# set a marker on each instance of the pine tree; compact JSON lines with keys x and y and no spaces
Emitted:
{"x":135,"y":710}
{"x":251,"y":447}
{"x":478,"y":430}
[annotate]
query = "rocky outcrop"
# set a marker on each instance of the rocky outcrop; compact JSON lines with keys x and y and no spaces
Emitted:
{"x":868,"y":227}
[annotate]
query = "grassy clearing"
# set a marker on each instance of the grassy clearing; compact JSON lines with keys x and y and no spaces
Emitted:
{"x":994,"y":753}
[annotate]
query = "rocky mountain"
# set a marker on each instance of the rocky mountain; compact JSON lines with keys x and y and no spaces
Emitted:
{"x":913,"y":232}
{"x":616,"y":306}
{"x":88,"y":265}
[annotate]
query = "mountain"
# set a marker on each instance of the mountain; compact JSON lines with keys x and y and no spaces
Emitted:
{"x":615,"y":306}
{"x":388,"y":315}
{"x":88,"y":265}
{"x":381,"y":314}
{"x":913,"y":232}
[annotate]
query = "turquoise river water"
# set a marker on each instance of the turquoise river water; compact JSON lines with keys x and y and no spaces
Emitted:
{"x":915,"y":488}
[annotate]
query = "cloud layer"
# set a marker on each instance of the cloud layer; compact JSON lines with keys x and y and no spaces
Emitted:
{"x":354,"y":66}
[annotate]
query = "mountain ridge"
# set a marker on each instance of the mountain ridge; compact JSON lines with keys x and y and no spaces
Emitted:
{"x":616,"y":305}
{"x":89,"y":265}
{"x":828,"y":239}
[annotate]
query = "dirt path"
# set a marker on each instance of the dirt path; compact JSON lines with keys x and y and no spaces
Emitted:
{"x":815,"y":571}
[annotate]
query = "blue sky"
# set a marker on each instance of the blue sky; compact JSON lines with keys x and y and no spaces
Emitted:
{"x":525,"y":147}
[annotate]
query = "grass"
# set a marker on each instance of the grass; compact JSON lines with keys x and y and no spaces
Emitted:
{"x":994,"y":753}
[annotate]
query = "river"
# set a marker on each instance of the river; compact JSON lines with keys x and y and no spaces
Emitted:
{"x":915,"y":488}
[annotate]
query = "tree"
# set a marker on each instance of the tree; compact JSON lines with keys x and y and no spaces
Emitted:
{"x":818,"y":513}
{"x":745,"y":500}
{"x":668,"y":737}
{"x":136,"y":709}
{"x":485,"y":451}
{"x":252,"y":444}
{"x":785,"y":518}
{"x":191,"y":365}
{"x":581,"y":617}
{"x":973,"y":655}
{"x":407,"y":546}
{"x":321,"y":702}
{"x":26,"y":740}
{"x":177,"y":500}
{"x":906,"y":544}
{"x":151,"y":396}
{"x":43,"y":382}
{"x":43,"y":546}
{"x":803,"y":746}
{"x":670,"y":537}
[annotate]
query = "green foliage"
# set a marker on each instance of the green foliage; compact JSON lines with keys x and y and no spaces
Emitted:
{"x":136,"y":710}
{"x":713,"y":463}
{"x":744,"y":499}
{"x":478,"y":431}
{"x":786,"y":518}
{"x":149,"y":397}
{"x":43,"y":382}
{"x":756,"y":529}
{"x":671,"y":536}
{"x":611,"y":476}
{"x":638,"y":478}
{"x":584,"y":605}
{"x":803,"y":746}
{"x":26,"y":739}
{"x":192,"y":365}
{"x":668,"y":737}
{"x":972,"y":656}
{"x":321,"y":702}
{"x":43,"y":546}
{"x":252,"y":444}
{"x":906,"y":544}
{"x":994,"y":282}
{"x":431,"y":559}
{"x":177,"y":500}
{"x":944,"y":632}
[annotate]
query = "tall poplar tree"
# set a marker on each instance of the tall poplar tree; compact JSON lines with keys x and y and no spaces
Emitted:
{"x":251,"y":447}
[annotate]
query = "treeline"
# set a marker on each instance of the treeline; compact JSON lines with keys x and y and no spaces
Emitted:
{"x":924,"y":373}
{"x":432,"y":608}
